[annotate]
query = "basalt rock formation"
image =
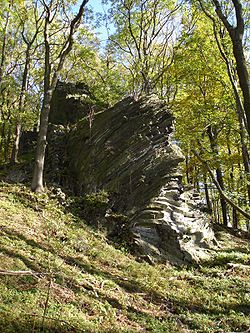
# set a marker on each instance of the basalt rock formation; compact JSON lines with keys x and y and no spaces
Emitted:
{"x":127,"y":151}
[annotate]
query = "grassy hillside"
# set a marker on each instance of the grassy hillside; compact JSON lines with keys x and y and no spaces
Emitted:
{"x":78,"y":282}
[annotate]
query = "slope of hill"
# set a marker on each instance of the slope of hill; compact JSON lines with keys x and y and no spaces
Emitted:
{"x":58,"y":274}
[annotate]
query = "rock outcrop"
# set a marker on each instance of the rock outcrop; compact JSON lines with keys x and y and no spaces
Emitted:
{"x":70,"y":102}
{"x":128,"y":152}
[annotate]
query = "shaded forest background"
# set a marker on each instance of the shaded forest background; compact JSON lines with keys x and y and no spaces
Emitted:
{"x":194,"y":54}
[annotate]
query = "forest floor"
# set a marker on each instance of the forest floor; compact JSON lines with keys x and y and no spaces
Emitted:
{"x":78,"y":281}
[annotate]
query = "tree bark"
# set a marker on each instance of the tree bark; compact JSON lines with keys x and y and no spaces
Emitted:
{"x":239,"y":109}
{"x":223,"y":203}
{"x":187,"y":169}
{"x":4,"y":43}
{"x":236,"y":35}
{"x":212,"y":134}
{"x":50,"y":81}
{"x":37,"y":181}
{"x":15,"y":148}
{"x":208,"y":201}
{"x":235,"y":218}
{"x":242,"y":71}
{"x":29,"y":42}
{"x":2,"y":68}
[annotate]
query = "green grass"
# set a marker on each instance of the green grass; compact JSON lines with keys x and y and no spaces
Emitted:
{"x":85,"y":284}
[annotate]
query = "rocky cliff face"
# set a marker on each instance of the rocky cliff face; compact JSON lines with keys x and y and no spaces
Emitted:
{"x":127,"y":151}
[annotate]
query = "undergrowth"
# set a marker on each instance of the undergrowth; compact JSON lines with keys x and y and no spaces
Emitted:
{"x":79,"y":282}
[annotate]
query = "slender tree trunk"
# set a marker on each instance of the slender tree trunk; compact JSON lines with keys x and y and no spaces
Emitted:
{"x":216,"y":211}
{"x":248,"y":225}
{"x":235,"y":219}
{"x":244,"y":152}
{"x":187,"y":169}
{"x":212,"y":134}
{"x":37,"y":181}
{"x":241,"y":114}
{"x":197,"y":185}
{"x":2,"y":65}
{"x":2,"y":136}
{"x":223,"y":203}
{"x":7,"y":145}
{"x":222,"y":193}
{"x":239,"y":106}
{"x":236,"y":35}
{"x":50,"y":81}
{"x":243,"y":75}
{"x":213,"y":207}
{"x":22,"y":97}
{"x":208,"y":201}
{"x":15,"y":149}
{"x":4,"y":43}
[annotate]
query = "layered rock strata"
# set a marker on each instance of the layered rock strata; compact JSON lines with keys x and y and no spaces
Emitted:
{"x":128,"y":151}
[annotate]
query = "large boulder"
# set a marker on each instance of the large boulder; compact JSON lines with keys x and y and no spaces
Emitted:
{"x":128,"y":152}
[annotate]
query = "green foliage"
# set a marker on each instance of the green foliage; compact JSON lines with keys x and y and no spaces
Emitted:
{"x":205,"y":105}
{"x":21,"y":43}
{"x":94,"y":287}
{"x":157,"y":46}
{"x":98,"y":68}
{"x":144,"y":42}
{"x":97,"y":200}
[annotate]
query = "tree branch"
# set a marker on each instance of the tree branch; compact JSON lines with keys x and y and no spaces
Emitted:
{"x":14,"y":273}
{"x":223,"y":18}
{"x":222,"y":193}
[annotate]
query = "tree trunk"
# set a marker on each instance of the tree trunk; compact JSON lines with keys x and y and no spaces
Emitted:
{"x":7,"y":145}
{"x":212,"y":134}
{"x":50,"y":80}
{"x":15,"y":148}
{"x":222,"y":193}
{"x":37,"y":181}
{"x":4,"y":43}
{"x":2,"y":65}
{"x":239,"y":106}
{"x":244,"y":151}
{"x":235,"y":218}
{"x":242,"y":71}
{"x":2,"y":135}
{"x":216,"y":210}
{"x":208,"y":202}
{"x":187,"y":169}
{"x":236,"y":35}
{"x":241,"y":68}
{"x":223,"y":203}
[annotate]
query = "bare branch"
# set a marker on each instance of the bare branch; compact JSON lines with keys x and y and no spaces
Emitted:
{"x":216,"y":183}
{"x":17,"y":273}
